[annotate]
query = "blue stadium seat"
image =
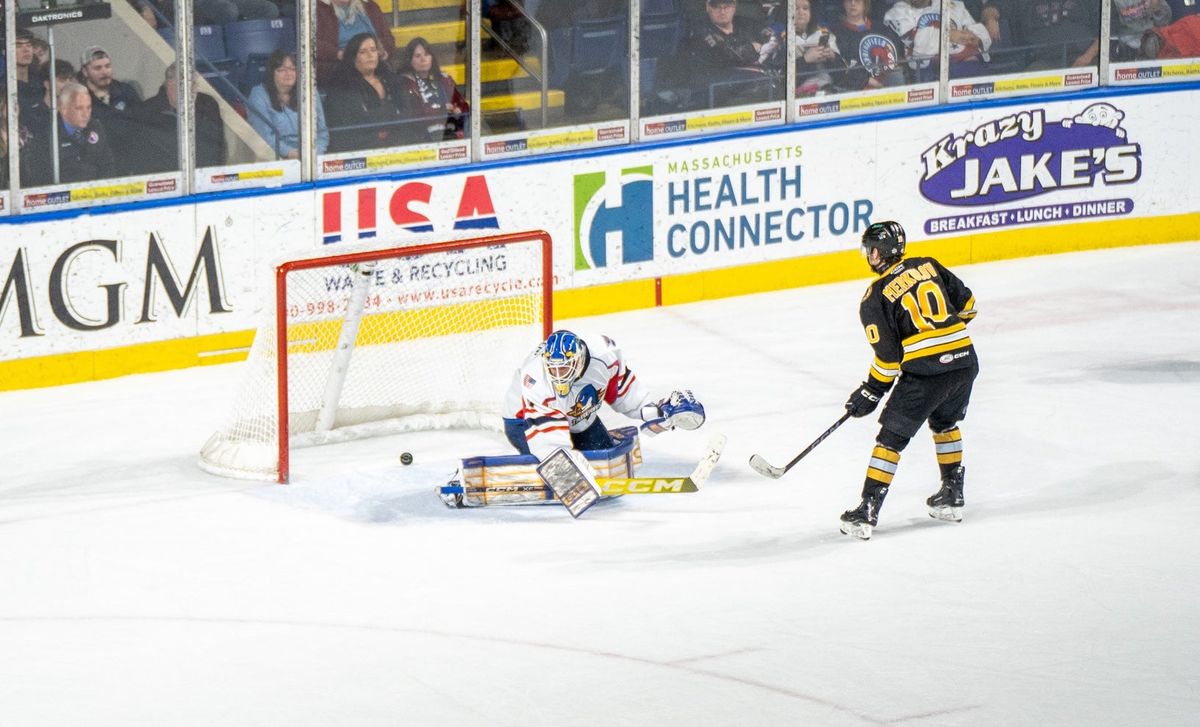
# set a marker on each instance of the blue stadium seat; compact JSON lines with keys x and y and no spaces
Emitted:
{"x":658,"y":7}
{"x":648,"y":76}
{"x":209,"y":43}
{"x":250,"y":42}
{"x":259,"y":37}
{"x":660,"y":35}
{"x":597,"y":46}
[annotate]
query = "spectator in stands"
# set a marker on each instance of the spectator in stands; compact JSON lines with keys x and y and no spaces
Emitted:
{"x":64,"y":72}
{"x":509,"y":23}
{"x":722,"y":40}
{"x":432,"y":94}
{"x":366,"y":94}
{"x":273,"y":108}
{"x":918,"y":23}
{"x":727,"y":52}
{"x":35,"y":126}
{"x":1180,"y":39}
{"x":873,"y":54}
{"x":156,"y":121}
{"x":1131,"y":19}
{"x":816,"y":52}
{"x":220,"y":12}
{"x":112,"y":103}
{"x":109,"y":96}
{"x":1063,"y":31}
{"x":158,"y":13}
{"x":28,"y":90}
{"x":41,"y":51}
{"x":83,"y":150}
{"x":995,"y":14}
{"x":340,"y":20}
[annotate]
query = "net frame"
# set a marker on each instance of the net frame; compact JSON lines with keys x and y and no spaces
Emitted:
{"x":281,"y":323}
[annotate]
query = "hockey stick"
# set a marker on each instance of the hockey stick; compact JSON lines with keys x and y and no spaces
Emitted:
{"x":656,"y":485}
{"x":608,"y":486}
{"x":761,"y":466}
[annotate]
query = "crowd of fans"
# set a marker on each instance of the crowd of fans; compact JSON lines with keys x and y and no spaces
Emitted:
{"x":847,"y":45}
{"x":374,"y":95}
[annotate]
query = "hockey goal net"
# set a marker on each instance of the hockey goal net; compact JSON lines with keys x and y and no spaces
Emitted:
{"x":381,"y":341}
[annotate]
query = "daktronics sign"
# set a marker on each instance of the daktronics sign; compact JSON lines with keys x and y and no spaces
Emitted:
{"x":410,"y":206}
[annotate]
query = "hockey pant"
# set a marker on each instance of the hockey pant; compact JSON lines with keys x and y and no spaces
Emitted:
{"x":594,"y":437}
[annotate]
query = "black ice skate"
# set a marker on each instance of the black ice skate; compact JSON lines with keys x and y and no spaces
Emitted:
{"x":947,"y":503}
{"x":859,"y":521}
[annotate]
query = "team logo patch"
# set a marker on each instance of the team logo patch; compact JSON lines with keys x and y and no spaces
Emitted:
{"x":877,"y":54}
{"x":587,"y":402}
{"x":93,"y":138}
{"x":930,"y":20}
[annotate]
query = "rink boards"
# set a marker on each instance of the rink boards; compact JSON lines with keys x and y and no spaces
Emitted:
{"x":143,"y":288}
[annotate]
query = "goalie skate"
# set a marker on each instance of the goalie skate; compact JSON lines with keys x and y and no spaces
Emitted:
{"x":452,"y":493}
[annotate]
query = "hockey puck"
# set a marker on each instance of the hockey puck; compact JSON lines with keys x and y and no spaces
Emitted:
{"x":406,"y":458}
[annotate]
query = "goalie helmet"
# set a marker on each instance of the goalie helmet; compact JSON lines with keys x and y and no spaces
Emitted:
{"x":886,"y":237}
{"x":564,"y":356}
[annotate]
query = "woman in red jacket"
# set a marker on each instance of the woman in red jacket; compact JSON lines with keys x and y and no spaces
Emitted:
{"x":432,"y":94}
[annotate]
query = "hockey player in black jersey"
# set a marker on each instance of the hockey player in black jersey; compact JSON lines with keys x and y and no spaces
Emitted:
{"x":915,"y":316}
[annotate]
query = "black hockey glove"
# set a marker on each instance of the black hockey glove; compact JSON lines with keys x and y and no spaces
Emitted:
{"x":863,"y":401}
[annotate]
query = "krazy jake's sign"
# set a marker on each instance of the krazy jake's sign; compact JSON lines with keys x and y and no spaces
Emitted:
{"x":1024,"y":155}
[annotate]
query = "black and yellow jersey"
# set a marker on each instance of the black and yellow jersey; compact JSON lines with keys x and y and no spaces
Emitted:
{"x":915,"y":317}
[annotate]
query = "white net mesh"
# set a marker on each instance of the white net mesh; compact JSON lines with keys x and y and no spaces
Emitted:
{"x":439,"y":337}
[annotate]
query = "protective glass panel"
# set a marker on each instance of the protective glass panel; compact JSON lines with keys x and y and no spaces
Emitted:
{"x":247,"y":130}
{"x":554,"y":75}
{"x":394,"y":83}
{"x":730,"y":53}
{"x":1031,"y":46}
{"x":1154,"y":41}
{"x":87,"y":74}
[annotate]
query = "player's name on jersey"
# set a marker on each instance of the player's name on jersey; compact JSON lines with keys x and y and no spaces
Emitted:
{"x":908,"y":279}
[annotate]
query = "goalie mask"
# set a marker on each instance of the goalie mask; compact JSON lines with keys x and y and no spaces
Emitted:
{"x":564,"y":357}
{"x":886,"y":237}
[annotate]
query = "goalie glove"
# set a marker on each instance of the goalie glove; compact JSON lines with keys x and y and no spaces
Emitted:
{"x":680,"y":409}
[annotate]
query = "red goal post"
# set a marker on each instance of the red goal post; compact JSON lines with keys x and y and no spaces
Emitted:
{"x":417,"y":337}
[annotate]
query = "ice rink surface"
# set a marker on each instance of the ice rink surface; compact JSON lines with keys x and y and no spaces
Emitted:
{"x":137,"y":590}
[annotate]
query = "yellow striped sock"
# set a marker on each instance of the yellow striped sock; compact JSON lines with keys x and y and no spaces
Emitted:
{"x":882,"y":467}
{"x":948,"y":445}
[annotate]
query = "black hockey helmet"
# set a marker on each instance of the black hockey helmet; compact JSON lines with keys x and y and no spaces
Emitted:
{"x":886,"y":237}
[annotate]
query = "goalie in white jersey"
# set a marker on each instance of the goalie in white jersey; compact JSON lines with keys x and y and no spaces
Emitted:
{"x":555,"y":397}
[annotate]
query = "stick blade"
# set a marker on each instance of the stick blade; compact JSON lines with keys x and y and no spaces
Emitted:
{"x":712,"y":453}
{"x":764,"y":468}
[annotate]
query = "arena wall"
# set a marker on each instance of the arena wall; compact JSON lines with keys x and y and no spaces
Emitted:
{"x":155,"y":286}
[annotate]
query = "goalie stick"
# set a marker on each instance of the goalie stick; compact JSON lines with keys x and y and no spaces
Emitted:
{"x":764,"y":468}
